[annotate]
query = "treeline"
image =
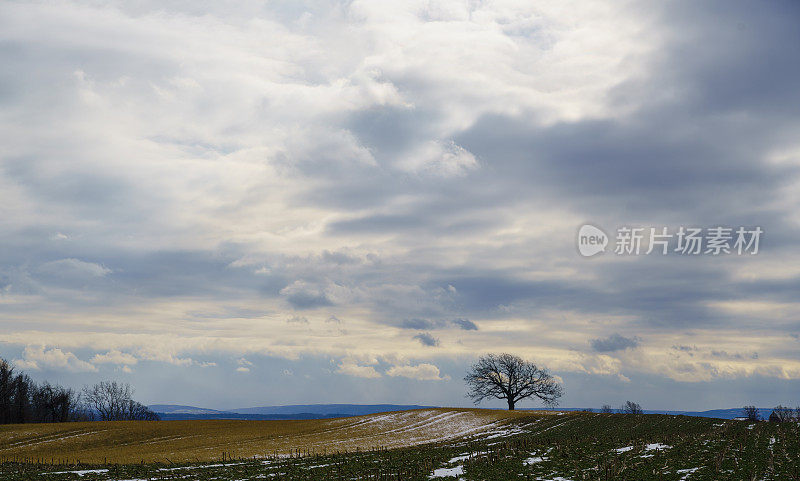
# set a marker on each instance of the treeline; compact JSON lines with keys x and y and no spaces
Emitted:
{"x":22,"y":400}
{"x":629,"y":407}
{"x":779,"y":414}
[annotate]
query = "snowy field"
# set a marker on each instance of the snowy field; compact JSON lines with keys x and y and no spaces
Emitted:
{"x":423,"y":445}
{"x":213,"y":440}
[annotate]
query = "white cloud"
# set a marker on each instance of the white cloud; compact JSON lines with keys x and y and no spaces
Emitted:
{"x":74,"y":268}
{"x":440,"y":158}
{"x":38,"y":358}
{"x":421,"y":372}
{"x":150,"y":352}
{"x":350,"y":367}
{"x":115,"y":357}
{"x":243,"y":365}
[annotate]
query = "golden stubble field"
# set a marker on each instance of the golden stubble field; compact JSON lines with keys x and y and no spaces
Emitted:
{"x":200,"y":441}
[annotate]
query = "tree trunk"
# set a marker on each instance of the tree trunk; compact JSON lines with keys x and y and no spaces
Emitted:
{"x":510,"y":404}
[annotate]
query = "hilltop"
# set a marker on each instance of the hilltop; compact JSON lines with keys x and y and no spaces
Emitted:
{"x":416,"y":445}
{"x":295,"y":411}
{"x":323,"y":411}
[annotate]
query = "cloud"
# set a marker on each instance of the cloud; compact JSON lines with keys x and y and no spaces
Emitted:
{"x":425,"y":324}
{"x":243,"y":365}
{"x":614,"y":342}
{"x":398,"y":186}
{"x":421,"y":372}
{"x":351,"y":368}
{"x":39,"y":358}
{"x":421,"y":324}
{"x":465,"y":324}
{"x":304,"y":296}
{"x":73,"y":268}
{"x":426,"y":339}
{"x":444,"y":159}
{"x":115,"y":357}
{"x":297,"y":320}
{"x":339,"y":258}
{"x":151,"y":352}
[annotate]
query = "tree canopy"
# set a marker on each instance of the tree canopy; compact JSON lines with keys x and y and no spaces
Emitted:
{"x":509,"y":377}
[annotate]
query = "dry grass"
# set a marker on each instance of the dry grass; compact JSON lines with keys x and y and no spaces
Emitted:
{"x":196,"y":441}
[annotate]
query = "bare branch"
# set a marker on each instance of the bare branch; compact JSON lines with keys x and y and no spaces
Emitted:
{"x":510,"y":377}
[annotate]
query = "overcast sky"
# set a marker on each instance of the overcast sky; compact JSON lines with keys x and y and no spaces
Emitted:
{"x":241,"y":203}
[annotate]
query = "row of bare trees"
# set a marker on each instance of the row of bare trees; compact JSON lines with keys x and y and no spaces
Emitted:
{"x":113,"y":401}
{"x":779,"y":414}
{"x":23,"y":400}
{"x":629,"y":407}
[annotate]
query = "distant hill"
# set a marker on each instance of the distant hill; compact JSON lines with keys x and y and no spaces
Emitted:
{"x":329,"y":409}
{"x":178,"y":409}
{"x":731,"y":413}
{"x":172,"y":412}
{"x":244,"y":417}
{"x":324,"y":411}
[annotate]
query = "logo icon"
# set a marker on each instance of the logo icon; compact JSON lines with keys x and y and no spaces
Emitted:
{"x":591,"y":240}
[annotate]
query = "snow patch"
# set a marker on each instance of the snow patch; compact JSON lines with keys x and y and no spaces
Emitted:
{"x":686,"y":472}
{"x":81,"y":473}
{"x":445,"y":472}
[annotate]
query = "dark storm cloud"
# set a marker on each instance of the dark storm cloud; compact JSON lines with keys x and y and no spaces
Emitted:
{"x":426,"y":325}
{"x":734,"y":355}
{"x":416,"y":323}
{"x":465,"y":324}
{"x":308,"y":299}
{"x":391,"y":130}
{"x":228,"y":312}
{"x":614,"y":342}
{"x":426,"y":339}
{"x":339,"y":258}
{"x":378,"y":224}
{"x":696,"y":157}
{"x":735,"y":58}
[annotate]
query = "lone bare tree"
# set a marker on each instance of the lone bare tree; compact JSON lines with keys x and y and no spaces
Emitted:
{"x":108,"y":398}
{"x":631,"y":407}
{"x":781,"y":414}
{"x":113,"y":402}
{"x":751,"y":413}
{"x":512,"y":378}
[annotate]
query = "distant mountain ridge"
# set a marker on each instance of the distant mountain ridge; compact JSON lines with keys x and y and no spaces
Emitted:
{"x":330,"y":409}
{"x":731,"y":413}
{"x":173,"y":412}
{"x":322,"y":411}
{"x":179,"y":409}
